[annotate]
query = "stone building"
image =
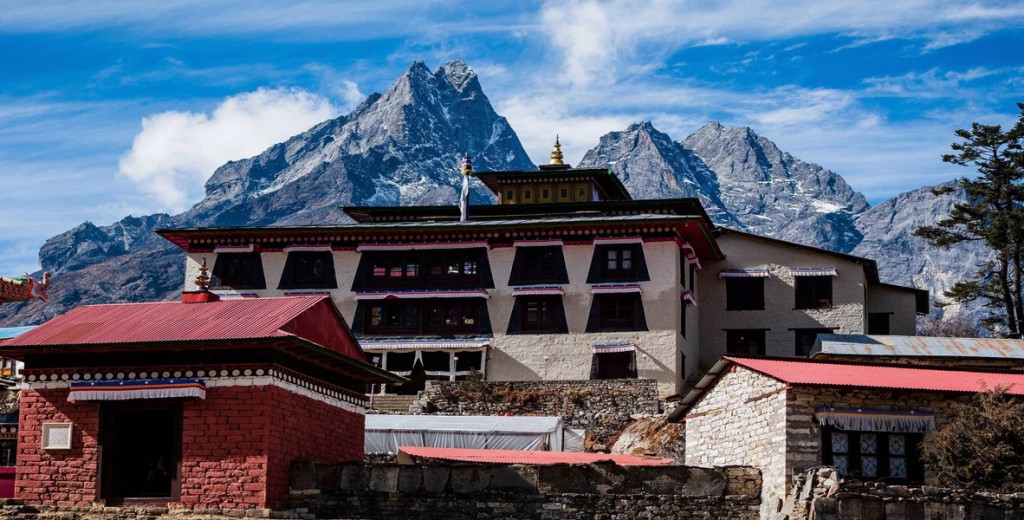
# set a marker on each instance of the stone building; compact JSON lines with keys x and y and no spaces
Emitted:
{"x":202,"y":404}
{"x":786,"y":415}
{"x":566,"y":278}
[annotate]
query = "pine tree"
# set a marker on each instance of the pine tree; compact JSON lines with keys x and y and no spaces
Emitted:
{"x":993,"y":214}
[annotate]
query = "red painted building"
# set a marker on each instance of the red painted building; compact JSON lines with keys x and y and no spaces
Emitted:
{"x":202,"y":404}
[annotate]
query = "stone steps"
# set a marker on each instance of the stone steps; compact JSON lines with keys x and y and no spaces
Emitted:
{"x":391,"y":403}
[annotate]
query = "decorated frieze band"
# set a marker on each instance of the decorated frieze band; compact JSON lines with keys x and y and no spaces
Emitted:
{"x":148,"y":384}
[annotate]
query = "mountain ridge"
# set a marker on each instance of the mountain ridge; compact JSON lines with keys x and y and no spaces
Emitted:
{"x":402,"y":146}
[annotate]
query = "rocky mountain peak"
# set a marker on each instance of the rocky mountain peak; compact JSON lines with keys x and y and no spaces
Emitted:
{"x":651,"y":166}
{"x":459,"y":75}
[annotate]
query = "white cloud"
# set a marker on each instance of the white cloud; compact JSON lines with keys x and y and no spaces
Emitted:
{"x":176,"y":152}
{"x":598,"y":38}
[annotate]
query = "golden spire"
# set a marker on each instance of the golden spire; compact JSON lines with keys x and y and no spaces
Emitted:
{"x":203,"y":280}
{"x":556,"y":153}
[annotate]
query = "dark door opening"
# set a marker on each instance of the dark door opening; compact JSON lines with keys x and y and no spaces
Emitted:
{"x":141,"y":451}
{"x":613,"y":365}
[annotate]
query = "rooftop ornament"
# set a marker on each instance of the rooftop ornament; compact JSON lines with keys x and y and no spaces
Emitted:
{"x":556,"y":154}
{"x":203,"y":280}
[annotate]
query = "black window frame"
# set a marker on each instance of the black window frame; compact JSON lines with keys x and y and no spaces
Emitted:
{"x":733,"y":337}
{"x":813,"y":292}
{"x":800,"y":336}
{"x":528,"y":266}
{"x":518,"y":322}
{"x":251,"y":276}
{"x":873,"y":325}
{"x":744,"y":294}
{"x":362,"y":327}
{"x":914,"y":464}
{"x":293,"y":276}
{"x":432,"y":270}
{"x":601,"y":272}
{"x":604,"y":305}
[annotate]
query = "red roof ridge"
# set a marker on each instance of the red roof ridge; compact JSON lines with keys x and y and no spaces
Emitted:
{"x":897,"y":377}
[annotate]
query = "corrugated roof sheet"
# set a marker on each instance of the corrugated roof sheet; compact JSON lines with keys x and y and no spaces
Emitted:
{"x":916,"y":346}
{"x":891,"y":377}
{"x":541,"y":458}
{"x":13,"y":332}
{"x":159,"y":322}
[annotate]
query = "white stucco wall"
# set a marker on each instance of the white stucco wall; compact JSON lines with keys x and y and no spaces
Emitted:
{"x":899,"y":304}
{"x":522,"y":356}
{"x":779,"y":316}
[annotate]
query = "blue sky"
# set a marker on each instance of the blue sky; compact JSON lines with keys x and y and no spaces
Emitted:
{"x":108,"y":108}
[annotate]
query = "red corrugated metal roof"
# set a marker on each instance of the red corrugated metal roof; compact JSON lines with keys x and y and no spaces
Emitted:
{"x":894,"y":377}
{"x":542,"y":458}
{"x":248,"y":318}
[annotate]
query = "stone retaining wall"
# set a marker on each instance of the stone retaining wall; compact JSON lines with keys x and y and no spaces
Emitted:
{"x":602,"y":407}
{"x":523,"y":492}
{"x":818,"y":494}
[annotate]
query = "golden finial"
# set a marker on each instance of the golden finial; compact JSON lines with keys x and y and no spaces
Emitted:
{"x":556,"y":153}
{"x":203,"y":280}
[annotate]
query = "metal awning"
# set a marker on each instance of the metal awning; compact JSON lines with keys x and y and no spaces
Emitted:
{"x":537,"y":290}
{"x":859,"y":419}
{"x":608,"y":348}
{"x":246,"y":248}
{"x":137,"y":389}
{"x":421,"y":246}
{"x":813,"y":271}
{"x":424,"y":344}
{"x":606,"y":241}
{"x":615,"y":288}
{"x":538,"y":243}
{"x":689,"y":298}
{"x":744,"y":273}
{"x":412,"y":295}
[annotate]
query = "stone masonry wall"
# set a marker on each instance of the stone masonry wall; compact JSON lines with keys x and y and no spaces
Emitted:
{"x":803,"y":433}
{"x":602,"y":408}
{"x":523,"y":492}
{"x":819,"y":494}
{"x":740,"y":421}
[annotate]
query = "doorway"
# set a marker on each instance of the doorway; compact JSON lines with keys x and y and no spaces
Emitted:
{"x":140,"y":451}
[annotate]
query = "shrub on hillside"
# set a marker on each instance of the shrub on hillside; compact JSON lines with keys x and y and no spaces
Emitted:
{"x":982,"y":446}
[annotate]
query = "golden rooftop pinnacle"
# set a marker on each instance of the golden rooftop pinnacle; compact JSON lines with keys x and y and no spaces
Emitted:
{"x":556,"y":153}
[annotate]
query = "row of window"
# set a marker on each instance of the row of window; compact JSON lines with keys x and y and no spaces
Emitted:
{"x":430,"y":269}
{"x":467,"y":316}
{"x":752,"y":341}
{"x":747,"y":294}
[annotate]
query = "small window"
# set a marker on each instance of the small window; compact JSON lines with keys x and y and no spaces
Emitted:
{"x":617,"y":312}
{"x":538,"y":265}
{"x":693,"y":279}
{"x":805,"y":340}
{"x":613,"y":365}
{"x":873,"y":455}
{"x":581,"y":194}
{"x":537,"y":314}
{"x":618,"y":263}
{"x":510,"y":195}
{"x":563,"y":194}
{"x":745,"y":341}
{"x":813,"y":292}
{"x":744,"y":294}
{"x":545,"y":194}
{"x":527,"y":195}
{"x":309,"y":270}
{"x":878,"y":323}
{"x":239,"y":271}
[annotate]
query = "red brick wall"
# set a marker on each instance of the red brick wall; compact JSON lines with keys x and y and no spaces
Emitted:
{"x":223,"y":449}
{"x":237,"y":446}
{"x":306,"y":429}
{"x":65,"y":477}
